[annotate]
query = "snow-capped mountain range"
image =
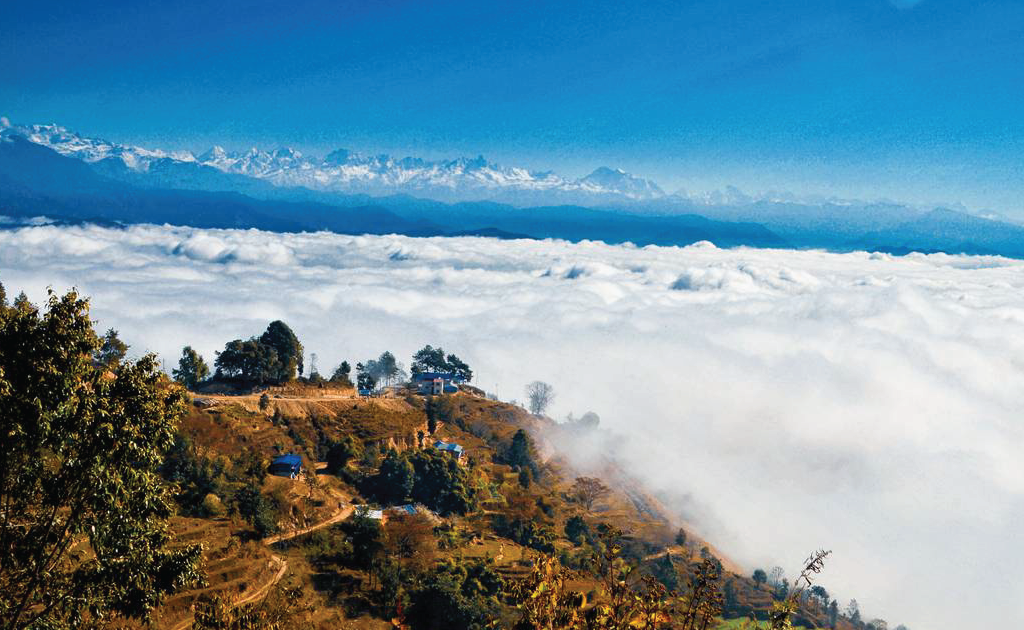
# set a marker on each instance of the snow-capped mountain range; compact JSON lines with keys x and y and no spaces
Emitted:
{"x":461,"y":179}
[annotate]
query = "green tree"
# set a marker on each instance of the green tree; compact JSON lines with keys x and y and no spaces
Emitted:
{"x":340,"y":453}
{"x":366,"y":378}
{"x":681,"y":537}
{"x":342,"y":374}
{"x":194,"y":475}
{"x":394,"y":482}
{"x":84,"y":518}
{"x":274,"y":357}
{"x":249,"y":361}
{"x":192,"y":369}
{"x":3,"y":296}
{"x":111,"y":350}
{"x":457,"y":594}
{"x":21,"y":302}
{"x":759,"y":577}
{"x":522,"y":454}
{"x":439,"y":410}
{"x":820,"y":593}
{"x":664,"y":570}
{"x":256,"y":509}
{"x":441,"y":483}
{"x":387,"y":368}
{"x":576,"y":529}
{"x":853,"y":611}
{"x":289,"y":351}
{"x":429,"y":359}
{"x":367,"y":540}
{"x":458,"y":367}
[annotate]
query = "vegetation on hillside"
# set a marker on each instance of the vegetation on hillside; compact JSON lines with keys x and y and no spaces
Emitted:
{"x":83,"y":511}
{"x":101,"y":454}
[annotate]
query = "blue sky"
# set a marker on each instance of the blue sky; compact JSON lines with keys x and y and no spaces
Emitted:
{"x":919,"y":101}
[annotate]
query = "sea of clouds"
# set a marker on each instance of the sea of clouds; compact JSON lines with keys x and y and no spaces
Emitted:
{"x":792,"y":399}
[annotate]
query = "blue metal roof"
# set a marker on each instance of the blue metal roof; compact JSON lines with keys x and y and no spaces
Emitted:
{"x":448,"y":446}
{"x":287,"y":460}
{"x":429,"y":376}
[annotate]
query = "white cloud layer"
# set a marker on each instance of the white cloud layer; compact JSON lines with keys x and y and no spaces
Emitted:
{"x":859,"y":402}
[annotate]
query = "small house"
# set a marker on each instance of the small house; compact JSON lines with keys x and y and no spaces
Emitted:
{"x":286,"y":466}
{"x":436,"y":383}
{"x":412,"y":509}
{"x":408,"y":509}
{"x":451,"y":448}
{"x":367,"y":512}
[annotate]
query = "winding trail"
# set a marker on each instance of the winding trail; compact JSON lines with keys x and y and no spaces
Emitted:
{"x":337,"y":517}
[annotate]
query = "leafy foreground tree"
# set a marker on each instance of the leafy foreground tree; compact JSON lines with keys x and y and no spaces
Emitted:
{"x":83,"y":533}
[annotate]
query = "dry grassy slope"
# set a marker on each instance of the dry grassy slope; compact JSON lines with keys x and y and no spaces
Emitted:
{"x":389,"y":422}
{"x":234,"y":569}
{"x":231,"y":424}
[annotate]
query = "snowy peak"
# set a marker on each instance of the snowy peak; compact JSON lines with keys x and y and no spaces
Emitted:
{"x":214,"y":153}
{"x":71,"y":144}
{"x":730,"y":195}
{"x":619,"y":181}
{"x":459,"y":179}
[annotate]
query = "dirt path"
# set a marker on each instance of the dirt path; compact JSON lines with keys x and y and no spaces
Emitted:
{"x":266,"y":587}
{"x":337,"y":517}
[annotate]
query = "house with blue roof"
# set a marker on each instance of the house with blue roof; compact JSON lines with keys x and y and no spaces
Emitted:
{"x":286,"y":466}
{"x":451,"y":448}
{"x":412,"y":509}
{"x":436,"y":383}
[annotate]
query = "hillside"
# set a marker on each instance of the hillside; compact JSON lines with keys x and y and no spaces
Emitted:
{"x":313,"y":540}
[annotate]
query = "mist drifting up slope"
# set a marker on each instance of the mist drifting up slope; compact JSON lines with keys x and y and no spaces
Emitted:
{"x":797,"y":399}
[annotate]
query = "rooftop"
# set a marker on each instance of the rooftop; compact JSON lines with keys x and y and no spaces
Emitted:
{"x":444,"y":376}
{"x":448,"y":446}
{"x":288,"y":460}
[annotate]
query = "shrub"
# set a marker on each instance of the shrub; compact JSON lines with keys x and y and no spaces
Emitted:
{"x":427,"y":477}
{"x":577,"y":530}
{"x":213,"y":506}
{"x":456,"y":594}
{"x":256,"y":510}
{"x":340,"y":453}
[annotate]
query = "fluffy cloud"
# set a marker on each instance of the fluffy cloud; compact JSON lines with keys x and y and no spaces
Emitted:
{"x":789,"y":399}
